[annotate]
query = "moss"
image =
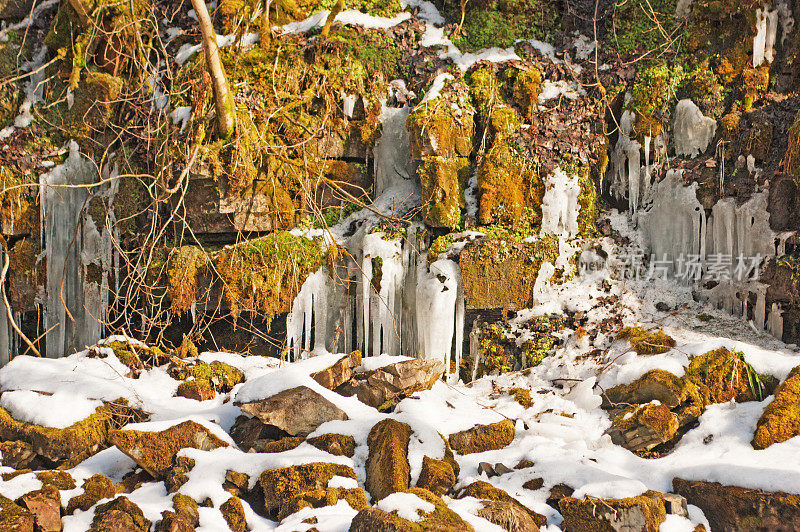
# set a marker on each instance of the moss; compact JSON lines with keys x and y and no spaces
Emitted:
{"x":444,"y":125}
{"x":61,"y":480}
{"x":265,"y":275}
{"x":527,"y":86}
{"x":483,"y":438}
{"x":644,"y":342}
{"x":95,"y":101}
{"x":155,"y":451}
{"x":483,"y":89}
{"x":641,"y":25}
{"x":281,"y":485}
{"x":120,"y":514}
{"x":443,"y":181}
{"x":781,"y":418}
{"x":216,"y":377}
{"x":79,"y":440}
{"x":722,"y":375}
{"x":233,"y":512}
{"x":484,"y":491}
{"x":502,"y":23}
{"x":504,"y":122}
{"x":705,"y":317}
{"x":186,"y":508}
{"x":592,"y":515}
{"x":655,"y":385}
{"x":356,"y":498}
{"x":522,"y":396}
{"x":657,"y":417}
{"x":184,"y":266}
{"x":95,"y":488}
{"x":13,"y":516}
{"x":436,"y":476}
{"x":508,"y":184}
{"x":335,"y":444}
{"x":387,"y":464}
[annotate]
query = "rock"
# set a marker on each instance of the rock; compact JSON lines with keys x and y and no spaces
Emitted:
{"x":485,"y":468}
{"x":355,"y":497}
{"x":502,"y":509}
{"x":645,"y":342}
{"x":61,"y":480}
{"x":502,"y":469}
{"x":482,"y":438}
{"x":534,"y":484}
{"x":16,"y":454}
{"x":78,"y":441}
{"x":781,"y":418}
{"x":155,"y":451}
{"x":441,"y":519}
{"x":401,"y":379}
{"x":722,"y":375}
{"x":741,"y":509}
{"x":340,"y":372}
{"x":202,"y":380}
{"x":247,"y":430}
{"x":387,"y":465}
{"x":443,"y":180}
{"x":236,"y":483}
{"x":655,"y":385}
{"x":643,"y":513}
{"x":233,"y":512}
{"x":119,"y":515}
{"x":178,"y":474}
{"x":375,"y":520}
{"x":335,"y":444}
{"x":436,"y":476}
{"x":676,"y":504}
{"x":280,"y":486}
{"x":494,"y":279}
{"x":641,"y":428}
{"x":45,"y":505}
{"x":298,"y":411}
{"x":95,"y":488}
{"x":15,"y":518}
{"x":558,"y":492}
{"x":277,"y":446}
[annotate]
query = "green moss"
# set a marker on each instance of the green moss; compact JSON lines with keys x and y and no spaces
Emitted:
{"x":642,"y":25}
{"x":184,"y":266}
{"x":705,"y":317}
{"x":500,"y":352}
{"x":508,"y":184}
{"x":504,"y":122}
{"x":503,"y":22}
{"x":483,"y":89}
{"x":644,"y":342}
{"x":443,"y":180}
{"x":722,"y":375}
{"x":527,"y":87}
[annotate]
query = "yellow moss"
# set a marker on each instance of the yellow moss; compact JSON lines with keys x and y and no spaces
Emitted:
{"x":656,"y":416}
{"x":233,"y":512}
{"x":484,"y":491}
{"x":781,"y":418}
{"x":61,"y":480}
{"x":507,"y":185}
{"x":658,"y":385}
{"x":13,"y":516}
{"x":436,"y":476}
{"x":443,"y":180}
{"x":184,"y":266}
{"x":95,"y":488}
{"x":722,"y":375}
{"x":483,"y":437}
{"x":592,"y":515}
{"x":527,"y":87}
{"x":522,"y":396}
{"x":280,"y":485}
{"x":645,"y":342}
{"x":504,"y":122}
{"x":336,"y":444}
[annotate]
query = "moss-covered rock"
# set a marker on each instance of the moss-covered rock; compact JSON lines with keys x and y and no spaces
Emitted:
{"x":781,"y":418}
{"x":387,"y":465}
{"x":641,"y":428}
{"x":45,"y":505}
{"x":233,"y":512}
{"x":95,"y":488}
{"x":645,"y":512}
{"x":508,"y":184}
{"x":502,"y":23}
{"x":204,"y":379}
{"x":502,"y":509}
{"x":376,"y":520}
{"x":183,"y":266}
{"x":119,"y":514}
{"x":14,"y":517}
{"x":436,"y":476}
{"x":355,"y":497}
{"x":645,"y":342}
{"x":443,"y":181}
{"x":155,"y":451}
{"x":335,"y":444}
{"x":280,"y":486}
{"x":722,"y":375}
{"x":482,"y":438}
{"x":61,"y":480}
{"x":655,"y":385}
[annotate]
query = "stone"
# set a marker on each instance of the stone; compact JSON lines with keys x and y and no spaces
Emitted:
{"x":298,"y":411}
{"x":534,"y":484}
{"x":387,"y":465}
{"x":485,"y":468}
{"x":376,"y":520}
{"x":502,"y":509}
{"x":178,"y":474}
{"x":441,"y":519}
{"x":722,"y":375}
{"x":16,"y":454}
{"x":119,"y":515}
{"x":355,"y":497}
{"x":155,"y":451}
{"x":676,"y":504}
{"x":643,"y":427}
{"x":45,"y":505}
{"x":95,"y":488}
{"x":15,"y":518}
{"x":655,"y":385}
{"x":61,"y":480}
{"x":401,"y":379}
{"x":280,"y":486}
{"x":482,"y":438}
{"x":502,"y":469}
{"x":643,"y":513}
{"x":236,"y":483}
{"x":741,"y":509}
{"x":233,"y":512}
{"x":335,"y":444}
{"x":781,"y":418}
{"x":247,"y":430}
{"x":340,"y":372}
{"x":436,"y":476}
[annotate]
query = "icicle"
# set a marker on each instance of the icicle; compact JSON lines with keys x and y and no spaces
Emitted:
{"x":759,"y":312}
{"x":766,"y":34}
{"x":311,"y":298}
{"x":437,"y":302}
{"x":391,"y":152}
{"x":691,"y":129}
{"x":6,"y":333}
{"x":541,"y":287}
{"x":560,"y":205}
{"x":775,"y":321}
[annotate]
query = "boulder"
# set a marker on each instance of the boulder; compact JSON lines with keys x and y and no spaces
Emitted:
{"x":280,"y":486}
{"x":502,"y":509}
{"x":781,"y":418}
{"x":355,"y":497}
{"x":184,"y":516}
{"x":119,"y":515}
{"x":655,"y":385}
{"x":741,"y":509}
{"x":440,"y":519}
{"x":155,"y":451}
{"x":233,"y":512}
{"x":643,"y":427}
{"x":401,"y":379}
{"x":376,"y":520}
{"x":45,"y":505}
{"x":335,"y":444}
{"x":247,"y":430}
{"x":15,"y":518}
{"x":437,"y":476}
{"x":387,"y":465}
{"x":643,"y":513}
{"x":482,"y":438}
{"x":722,"y":375}
{"x":298,"y":411}
{"x":340,"y":372}
{"x":95,"y":488}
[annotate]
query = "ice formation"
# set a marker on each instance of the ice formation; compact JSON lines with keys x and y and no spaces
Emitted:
{"x":560,"y":205}
{"x":691,"y":129}
{"x":625,"y":165}
{"x":766,"y":34}
{"x":76,"y":305}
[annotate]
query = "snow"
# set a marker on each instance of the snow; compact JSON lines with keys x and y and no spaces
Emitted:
{"x":188,"y":50}
{"x":350,"y":17}
{"x":556,"y":89}
{"x":59,"y":410}
{"x":407,"y":505}
{"x":181,"y":115}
